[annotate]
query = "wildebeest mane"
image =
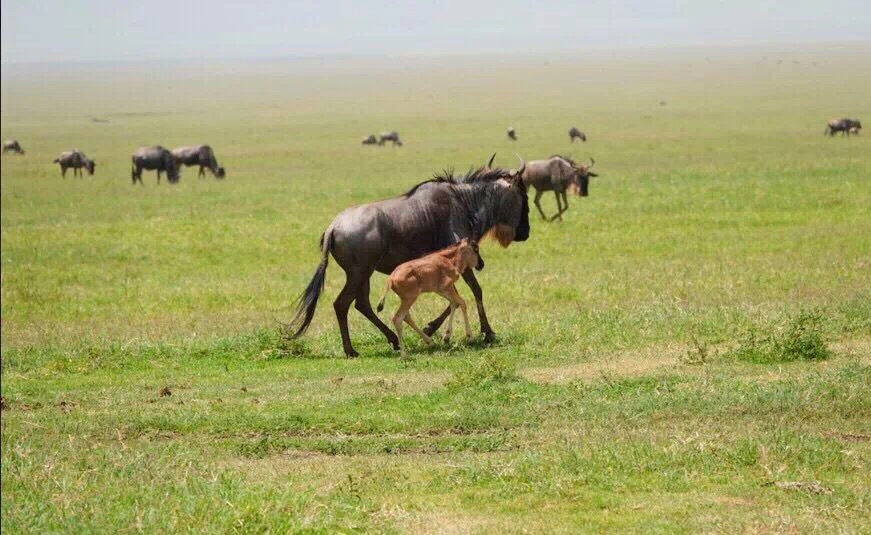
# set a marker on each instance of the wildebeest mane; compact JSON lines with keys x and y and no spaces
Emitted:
{"x":472,"y":176}
{"x":566,"y":158}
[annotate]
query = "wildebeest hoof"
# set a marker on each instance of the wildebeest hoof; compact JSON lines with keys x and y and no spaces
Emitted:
{"x":352,"y":354}
{"x":446,"y":339}
{"x":429,"y":330}
{"x":489,"y":337}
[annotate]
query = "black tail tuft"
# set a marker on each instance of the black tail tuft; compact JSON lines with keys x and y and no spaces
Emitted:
{"x":308,"y":301}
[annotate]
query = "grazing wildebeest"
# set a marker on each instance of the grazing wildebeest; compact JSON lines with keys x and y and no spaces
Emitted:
{"x":436,"y":272}
{"x":556,"y":174}
{"x":201,"y":155}
{"x":575,"y":133}
{"x":845,"y":126}
{"x":12,"y":145}
{"x":77,"y":160}
{"x":154,"y":158}
{"x":512,"y":134}
{"x":370,"y":140}
{"x":436,"y":213}
{"x":393,"y":136}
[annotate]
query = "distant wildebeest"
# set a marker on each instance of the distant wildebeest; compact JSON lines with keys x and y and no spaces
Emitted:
{"x":512,"y":134}
{"x":845,"y":126}
{"x":154,"y":158}
{"x":201,"y":155}
{"x":384,"y":137}
{"x":432,"y":215}
{"x":77,"y":160}
{"x":557,"y":174}
{"x":436,"y":272}
{"x":575,"y":133}
{"x":370,"y":140}
{"x":12,"y":145}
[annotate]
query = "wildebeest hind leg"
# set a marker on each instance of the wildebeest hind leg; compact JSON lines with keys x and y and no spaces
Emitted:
{"x":341,"y":306}
{"x":363,"y":305}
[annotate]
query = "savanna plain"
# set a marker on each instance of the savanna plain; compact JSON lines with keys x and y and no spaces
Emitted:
{"x":688,"y":351}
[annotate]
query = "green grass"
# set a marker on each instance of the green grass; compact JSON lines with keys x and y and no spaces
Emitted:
{"x":694,"y":332}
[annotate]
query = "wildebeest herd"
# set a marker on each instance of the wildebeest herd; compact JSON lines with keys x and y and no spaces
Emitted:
{"x":425,"y":239}
{"x":154,"y":158}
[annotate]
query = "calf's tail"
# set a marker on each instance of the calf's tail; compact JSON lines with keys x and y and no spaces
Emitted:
{"x":308,"y":301}
{"x":383,"y":297}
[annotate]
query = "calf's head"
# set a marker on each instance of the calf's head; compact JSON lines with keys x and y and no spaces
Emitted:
{"x":470,"y":254}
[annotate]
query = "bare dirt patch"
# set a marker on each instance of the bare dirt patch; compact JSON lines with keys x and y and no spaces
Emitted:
{"x":628,"y":364}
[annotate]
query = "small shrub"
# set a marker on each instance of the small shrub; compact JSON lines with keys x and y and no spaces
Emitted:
{"x":488,"y":370}
{"x":698,"y":354}
{"x":800,"y":339}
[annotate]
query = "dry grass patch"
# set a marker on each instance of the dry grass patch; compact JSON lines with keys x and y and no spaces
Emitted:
{"x":633,"y":363}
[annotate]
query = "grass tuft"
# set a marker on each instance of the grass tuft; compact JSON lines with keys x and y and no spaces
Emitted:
{"x":489,"y":370}
{"x":800,"y":339}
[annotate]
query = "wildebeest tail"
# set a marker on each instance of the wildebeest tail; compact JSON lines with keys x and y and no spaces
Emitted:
{"x":308,"y":301}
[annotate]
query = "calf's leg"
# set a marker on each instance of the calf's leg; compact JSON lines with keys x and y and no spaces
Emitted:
{"x":399,"y":318}
{"x":426,"y":339}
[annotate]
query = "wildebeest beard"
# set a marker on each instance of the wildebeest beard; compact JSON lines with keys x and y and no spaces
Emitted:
{"x":504,"y":234}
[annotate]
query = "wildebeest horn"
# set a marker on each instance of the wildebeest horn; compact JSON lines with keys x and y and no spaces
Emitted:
{"x":490,"y":163}
{"x":592,"y":161}
{"x":522,"y":165}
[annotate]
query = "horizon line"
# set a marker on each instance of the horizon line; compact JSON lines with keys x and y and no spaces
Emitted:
{"x":444,"y":54}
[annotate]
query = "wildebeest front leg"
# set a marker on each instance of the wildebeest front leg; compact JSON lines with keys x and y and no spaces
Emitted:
{"x":562,"y":207}
{"x":469,"y":277}
{"x":364,"y":306}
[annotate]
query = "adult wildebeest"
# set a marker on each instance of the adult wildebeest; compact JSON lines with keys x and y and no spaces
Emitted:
{"x":77,"y":160}
{"x":12,"y":145}
{"x":201,"y":155}
{"x":370,"y":140}
{"x":154,"y":158}
{"x":575,"y":133}
{"x":432,"y":215}
{"x":845,"y":126}
{"x":393,"y":136}
{"x":512,"y":134}
{"x":556,"y":174}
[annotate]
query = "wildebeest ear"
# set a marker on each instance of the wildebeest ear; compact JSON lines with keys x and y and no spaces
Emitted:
{"x":592,"y":174}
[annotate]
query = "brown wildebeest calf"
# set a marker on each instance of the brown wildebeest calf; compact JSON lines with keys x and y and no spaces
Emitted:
{"x":436,"y":272}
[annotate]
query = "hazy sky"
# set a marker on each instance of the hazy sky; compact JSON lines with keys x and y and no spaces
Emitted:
{"x":98,"y":30}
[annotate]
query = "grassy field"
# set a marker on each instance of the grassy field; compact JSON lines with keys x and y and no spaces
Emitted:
{"x":693,"y":338}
